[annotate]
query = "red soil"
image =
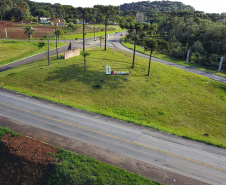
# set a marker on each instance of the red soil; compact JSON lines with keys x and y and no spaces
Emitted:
{"x":24,"y":160}
{"x":16,"y":30}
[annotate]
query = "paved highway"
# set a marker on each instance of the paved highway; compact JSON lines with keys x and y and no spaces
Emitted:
{"x":195,"y":160}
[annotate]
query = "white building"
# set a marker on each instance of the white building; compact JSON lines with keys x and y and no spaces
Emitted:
{"x":44,"y":20}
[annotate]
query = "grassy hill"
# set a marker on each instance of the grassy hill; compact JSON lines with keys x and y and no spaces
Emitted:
{"x":11,"y":51}
{"x":170,"y":99}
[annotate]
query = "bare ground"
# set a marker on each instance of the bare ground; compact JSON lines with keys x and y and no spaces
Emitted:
{"x":16,"y":30}
{"x":24,"y":160}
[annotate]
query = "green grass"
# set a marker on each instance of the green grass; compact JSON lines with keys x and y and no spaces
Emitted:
{"x":170,"y":99}
{"x":89,"y":35}
{"x":79,"y":169}
{"x":169,"y":58}
{"x":11,"y":51}
{"x":4,"y":130}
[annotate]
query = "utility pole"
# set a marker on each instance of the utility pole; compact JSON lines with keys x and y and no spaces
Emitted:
{"x":56,"y":40}
{"x":94,"y":31}
{"x":48,"y":49}
{"x":134,"y":50}
{"x":83,"y":30}
{"x":105,"y":47}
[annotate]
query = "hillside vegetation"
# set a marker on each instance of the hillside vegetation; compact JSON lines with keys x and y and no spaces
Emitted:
{"x":155,"y":6}
{"x":169,"y":99}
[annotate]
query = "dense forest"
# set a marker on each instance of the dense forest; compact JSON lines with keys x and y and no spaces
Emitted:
{"x":204,"y":34}
{"x":155,"y":7}
{"x":18,"y":10}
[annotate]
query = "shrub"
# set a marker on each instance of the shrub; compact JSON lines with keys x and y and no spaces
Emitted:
{"x":41,"y":44}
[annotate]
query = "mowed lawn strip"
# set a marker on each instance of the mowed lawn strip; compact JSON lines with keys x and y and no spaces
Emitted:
{"x":169,"y":58}
{"x":170,"y":99}
{"x":11,"y":51}
{"x":89,"y":35}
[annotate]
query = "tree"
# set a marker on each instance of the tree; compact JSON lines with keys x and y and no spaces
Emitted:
{"x":84,"y":54}
{"x":14,"y":13}
{"x":152,"y":45}
{"x":56,"y":39}
{"x":101,"y":37}
{"x":137,"y":27}
{"x":83,"y":11}
{"x":24,"y":10}
{"x":3,"y":9}
{"x":41,"y":13}
{"x":107,"y":13}
{"x":58,"y":33}
{"x":29,"y":32}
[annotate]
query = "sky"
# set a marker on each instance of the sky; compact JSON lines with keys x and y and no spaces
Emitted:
{"x":207,"y":6}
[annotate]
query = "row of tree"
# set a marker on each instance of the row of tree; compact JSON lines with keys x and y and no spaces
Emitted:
{"x":149,"y":7}
{"x":25,"y":10}
{"x":186,"y":30}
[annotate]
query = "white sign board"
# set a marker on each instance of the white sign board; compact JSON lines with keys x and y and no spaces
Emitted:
{"x":112,"y":72}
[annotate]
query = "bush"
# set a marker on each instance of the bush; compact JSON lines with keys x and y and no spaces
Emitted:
{"x":41,"y":44}
{"x":4,"y":130}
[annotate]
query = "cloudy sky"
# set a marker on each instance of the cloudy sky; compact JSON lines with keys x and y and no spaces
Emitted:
{"x":208,"y":6}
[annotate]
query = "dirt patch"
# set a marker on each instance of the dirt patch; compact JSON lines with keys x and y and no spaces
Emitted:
{"x":16,"y":30}
{"x":24,"y":160}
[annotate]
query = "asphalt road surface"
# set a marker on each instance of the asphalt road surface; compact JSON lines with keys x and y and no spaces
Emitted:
{"x":192,"y":159}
